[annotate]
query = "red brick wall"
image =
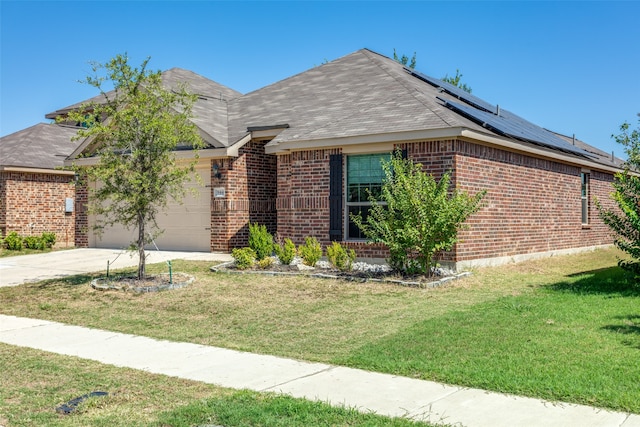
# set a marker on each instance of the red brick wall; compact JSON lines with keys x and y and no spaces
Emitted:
{"x":250,"y":193}
{"x":303,"y":195}
{"x":532,"y":205}
{"x":33,"y":203}
{"x":82,"y":216}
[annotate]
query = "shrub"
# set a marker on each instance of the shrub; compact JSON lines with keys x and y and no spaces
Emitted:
{"x":34,"y":242}
{"x":415,"y":216}
{"x":49,"y":239}
{"x":623,"y":218}
{"x":340,"y":257}
{"x":265,"y":263}
{"x":244,"y":257}
{"x":311,"y":251}
{"x":13,"y":242}
{"x":260,"y":240}
{"x":286,"y":252}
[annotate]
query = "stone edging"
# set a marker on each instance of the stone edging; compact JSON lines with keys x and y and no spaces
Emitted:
{"x":96,"y":284}
{"x":222,"y":268}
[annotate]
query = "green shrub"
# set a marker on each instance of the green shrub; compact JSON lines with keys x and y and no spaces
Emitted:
{"x":286,"y":252}
{"x":13,"y":242}
{"x":340,"y":257}
{"x":34,"y":242}
{"x":260,"y":240}
{"x":416,"y":216}
{"x":49,"y":239}
{"x":265,"y":263}
{"x":311,"y":251}
{"x":244,"y":257}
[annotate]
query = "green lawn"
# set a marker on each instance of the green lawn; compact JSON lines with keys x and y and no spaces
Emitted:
{"x":35,"y":383}
{"x":565,"y":328}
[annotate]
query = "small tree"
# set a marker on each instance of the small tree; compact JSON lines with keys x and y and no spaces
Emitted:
{"x":625,"y":221}
{"x":455,"y":80}
{"x":415,"y":216}
{"x":135,"y":129}
{"x":404,"y":59}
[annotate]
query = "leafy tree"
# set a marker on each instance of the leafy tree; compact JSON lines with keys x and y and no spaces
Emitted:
{"x":415,"y":216}
{"x":456,"y":81}
{"x":135,"y":130}
{"x":404,"y":59}
{"x":625,"y":221}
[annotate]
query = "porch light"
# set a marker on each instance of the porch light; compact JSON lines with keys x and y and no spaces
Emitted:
{"x":216,"y":171}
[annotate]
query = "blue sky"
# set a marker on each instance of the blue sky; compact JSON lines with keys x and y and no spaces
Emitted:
{"x":573,"y":67}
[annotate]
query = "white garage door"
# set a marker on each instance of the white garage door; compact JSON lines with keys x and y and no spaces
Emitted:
{"x":186,"y":226}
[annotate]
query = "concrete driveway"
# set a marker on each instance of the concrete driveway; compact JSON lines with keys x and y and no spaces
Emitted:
{"x":32,"y":268}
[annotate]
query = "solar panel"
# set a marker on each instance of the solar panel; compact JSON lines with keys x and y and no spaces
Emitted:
{"x":497,"y":120}
{"x":454,"y":91}
{"x":508,"y":124}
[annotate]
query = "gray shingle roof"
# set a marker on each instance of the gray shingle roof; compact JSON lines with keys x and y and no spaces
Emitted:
{"x":360,"y":94}
{"x":43,"y":146}
{"x":210,"y":110}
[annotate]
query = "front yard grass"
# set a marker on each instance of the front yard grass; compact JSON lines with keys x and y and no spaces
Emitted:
{"x":34,"y":383}
{"x":564,"y":328}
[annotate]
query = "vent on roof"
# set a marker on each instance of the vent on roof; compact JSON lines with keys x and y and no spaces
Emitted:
{"x":259,"y":128}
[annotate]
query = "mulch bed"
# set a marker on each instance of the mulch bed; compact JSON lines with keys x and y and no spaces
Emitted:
{"x":152,"y":283}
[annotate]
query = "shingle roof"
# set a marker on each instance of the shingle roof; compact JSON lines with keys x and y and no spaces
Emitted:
{"x":360,"y":94}
{"x":210,"y":109}
{"x":42,"y":146}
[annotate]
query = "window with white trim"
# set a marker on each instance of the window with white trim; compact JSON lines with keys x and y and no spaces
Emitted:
{"x":584,"y":195}
{"x":364,"y":177}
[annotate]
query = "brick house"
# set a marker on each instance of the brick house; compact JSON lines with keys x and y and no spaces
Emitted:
{"x":298,"y":156}
{"x":36,"y":195}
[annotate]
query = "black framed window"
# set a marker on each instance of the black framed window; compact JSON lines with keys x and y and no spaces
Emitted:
{"x":584,"y":195}
{"x":364,"y":176}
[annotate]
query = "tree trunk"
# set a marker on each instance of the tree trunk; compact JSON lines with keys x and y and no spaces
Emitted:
{"x":141,"y":255}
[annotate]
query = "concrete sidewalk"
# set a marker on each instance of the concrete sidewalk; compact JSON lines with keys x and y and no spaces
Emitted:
{"x":367,"y":391}
{"x":33,"y":268}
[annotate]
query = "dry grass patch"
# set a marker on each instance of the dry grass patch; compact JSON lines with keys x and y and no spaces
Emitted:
{"x":34,"y":383}
{"x":302,"y":317}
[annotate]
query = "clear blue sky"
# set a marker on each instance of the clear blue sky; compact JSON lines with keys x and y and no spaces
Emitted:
{"x":573,"y":67}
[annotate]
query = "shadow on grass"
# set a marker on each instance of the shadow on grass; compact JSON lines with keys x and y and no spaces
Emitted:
{"x":66,"y":282}
{"x":630,"y":325}
{"x":612,"y":280}
{"x":78,"y":279}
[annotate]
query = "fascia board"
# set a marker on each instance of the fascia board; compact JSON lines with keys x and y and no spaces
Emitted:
{"x":234,"y":150}
{"x":380,"y":138}
{"x":350,"y":143}
{"x":208,"y":153}
{"x":35,"y":170}
{"x":474,"y":136}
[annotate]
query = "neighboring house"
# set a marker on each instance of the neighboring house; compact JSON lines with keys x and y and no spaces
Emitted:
{"x":36,"y":195}
{"x":298,"y":156}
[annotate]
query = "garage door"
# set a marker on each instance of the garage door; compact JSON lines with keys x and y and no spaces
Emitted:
{"x":186,"y":226}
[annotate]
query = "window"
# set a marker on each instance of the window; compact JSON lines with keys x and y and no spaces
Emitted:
{"x":364,"y":177}
{"x":584,"y":179}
